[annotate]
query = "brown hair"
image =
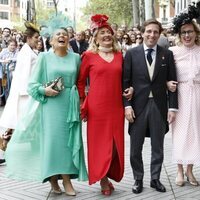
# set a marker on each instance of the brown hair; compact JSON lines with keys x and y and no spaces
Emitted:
{"x":29,"y":32}
{"x":151,"y":21}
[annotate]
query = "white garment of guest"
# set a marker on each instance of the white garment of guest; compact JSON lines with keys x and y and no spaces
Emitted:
{"x":186,"y":127}
{"x":18,"y":96}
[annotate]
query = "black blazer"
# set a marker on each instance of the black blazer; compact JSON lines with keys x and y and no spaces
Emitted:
{"x":83,"y":46}
{"x":135,"y":73}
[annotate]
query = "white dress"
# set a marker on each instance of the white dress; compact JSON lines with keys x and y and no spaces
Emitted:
{"x":186,"y":128}
{"x":18,"y":96}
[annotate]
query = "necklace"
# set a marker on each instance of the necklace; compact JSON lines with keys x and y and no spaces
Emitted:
{"x":105,"y":49}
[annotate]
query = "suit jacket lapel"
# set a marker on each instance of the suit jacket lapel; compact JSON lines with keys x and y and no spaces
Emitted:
{"x":143,"y":62}
{"x":158,"y":62}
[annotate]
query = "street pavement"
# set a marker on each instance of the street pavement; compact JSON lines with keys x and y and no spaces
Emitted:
{"x":22,"y":190}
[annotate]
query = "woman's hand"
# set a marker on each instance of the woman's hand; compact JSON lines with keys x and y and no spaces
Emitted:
{"x":129,"y":114}
{"x":50,"y":92}
{"x":172,"y":86}
{"x":128,"y":93}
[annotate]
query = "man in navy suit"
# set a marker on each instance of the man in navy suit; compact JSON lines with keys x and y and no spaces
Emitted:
{"x":147,"y":68}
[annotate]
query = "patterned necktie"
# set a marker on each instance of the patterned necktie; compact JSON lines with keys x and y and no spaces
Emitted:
{"x":149,"y":58}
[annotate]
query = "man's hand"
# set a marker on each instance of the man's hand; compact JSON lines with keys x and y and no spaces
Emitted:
{"x":129,"y":114}
{"x":171,"y":116}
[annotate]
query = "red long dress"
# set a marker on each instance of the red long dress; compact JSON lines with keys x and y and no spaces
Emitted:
{"x":105,"y":116}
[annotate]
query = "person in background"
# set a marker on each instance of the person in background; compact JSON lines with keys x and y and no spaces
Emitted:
{"x":138,"y":39}
{"x":88,"y":35}
{"x":126,"y":44}
{"x":133,"y":39}
{"x":102,"y":108}
{"x":47,"y":142}
{"x":71,"y":32}
{"x":8,"y":57}
{"x":186,"y":128}
{"x":6,"y":36}
{"x":147,"y":68}
{"x":18,"y":95}
{"x":40,"y":45}
{"x":163,"y":40}
{"x":79,"y":45}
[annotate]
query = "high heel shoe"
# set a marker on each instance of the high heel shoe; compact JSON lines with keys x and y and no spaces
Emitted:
{"x":108,"y":190}
{"x":179,"y":182}
{"x":56,"y":191}
{"x":69,"y":193}
{"x":55,"y":188}
{"x":192,"y":180}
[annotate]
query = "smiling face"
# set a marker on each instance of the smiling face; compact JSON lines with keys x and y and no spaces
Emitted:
{"x":12,"y":46}
{"x":188,"y":35}
{"x":151,"y":35}
{"x":104,"y":37}
{"x":60,"y":39}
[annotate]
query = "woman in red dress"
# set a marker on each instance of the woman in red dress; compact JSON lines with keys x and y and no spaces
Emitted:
{"x":103,"y":108}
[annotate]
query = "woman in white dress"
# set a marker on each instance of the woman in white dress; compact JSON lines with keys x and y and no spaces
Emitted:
{"x":186,"y":128}
{"x":18,"y":95}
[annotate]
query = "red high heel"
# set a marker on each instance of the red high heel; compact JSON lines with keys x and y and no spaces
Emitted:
{"x":106,"y":192}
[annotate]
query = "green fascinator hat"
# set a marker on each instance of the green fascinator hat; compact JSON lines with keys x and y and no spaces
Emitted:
{"x":55,"y":22}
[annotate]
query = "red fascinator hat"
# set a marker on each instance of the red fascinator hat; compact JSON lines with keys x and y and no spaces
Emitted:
{"x":100,"y":21}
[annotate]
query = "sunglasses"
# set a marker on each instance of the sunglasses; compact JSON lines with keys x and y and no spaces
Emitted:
{"x":125,"y":37}
{"x":139,"y":38}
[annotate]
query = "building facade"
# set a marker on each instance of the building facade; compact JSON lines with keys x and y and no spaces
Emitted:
{"x":12,"y":12}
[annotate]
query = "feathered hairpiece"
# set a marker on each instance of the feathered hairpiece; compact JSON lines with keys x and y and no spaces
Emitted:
{"x":55,"y":22}
{"x":186,"y":18}
{"x":99,"y":21}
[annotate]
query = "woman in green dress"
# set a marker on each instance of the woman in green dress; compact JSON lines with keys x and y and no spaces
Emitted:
{"x":47,"y":143}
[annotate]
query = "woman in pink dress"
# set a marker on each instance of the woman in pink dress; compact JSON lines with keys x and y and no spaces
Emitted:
{"x":103,"y":106}
{"x":186,"y":128}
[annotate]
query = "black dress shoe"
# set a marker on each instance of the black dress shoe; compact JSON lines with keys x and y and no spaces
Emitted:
{"x":137,"y":187}
{"x":158,"y":185}
{"x":2,"y":161}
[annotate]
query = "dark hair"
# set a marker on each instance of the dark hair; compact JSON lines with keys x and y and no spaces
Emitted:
{"x":151,"y":21}
{"x":29,"y":32}
{"x":128,"y":42}
{"x":6,"y":28}
{"x":65,"y":29}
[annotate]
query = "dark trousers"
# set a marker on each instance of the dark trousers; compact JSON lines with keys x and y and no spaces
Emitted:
{"x":151,"y":121}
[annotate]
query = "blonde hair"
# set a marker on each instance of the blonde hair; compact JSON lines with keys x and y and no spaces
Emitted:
{"x":197,"y":31}
{"x":93,"y":46}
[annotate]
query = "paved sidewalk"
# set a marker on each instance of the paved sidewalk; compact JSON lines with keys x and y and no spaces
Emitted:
{"x":14,"y":190}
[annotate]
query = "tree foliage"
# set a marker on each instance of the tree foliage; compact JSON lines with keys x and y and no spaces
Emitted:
{"x":43,"y":12}
{"x":119,"y":11}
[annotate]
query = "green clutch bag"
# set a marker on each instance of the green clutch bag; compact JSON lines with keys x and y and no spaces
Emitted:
{"x":58,"y":84}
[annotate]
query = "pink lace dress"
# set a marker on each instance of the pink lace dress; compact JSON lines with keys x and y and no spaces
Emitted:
{"x":186,"y":128}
